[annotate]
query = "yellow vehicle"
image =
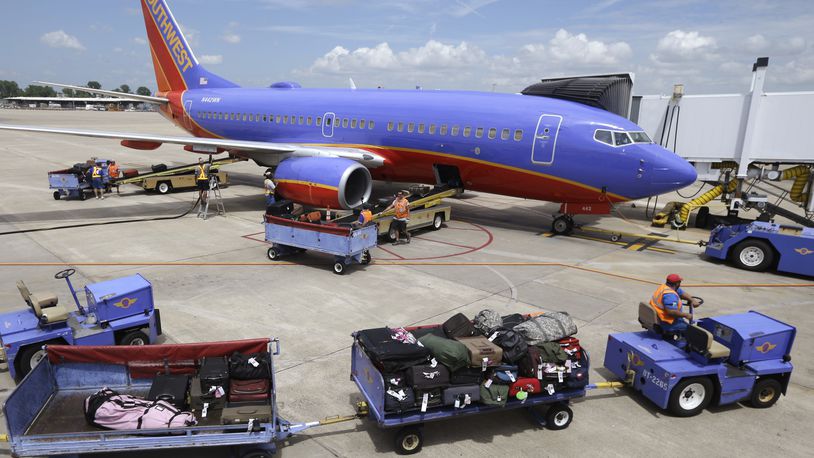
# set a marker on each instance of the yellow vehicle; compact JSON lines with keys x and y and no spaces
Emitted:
{"x":433,"y":217}
{"x":168,"y":183}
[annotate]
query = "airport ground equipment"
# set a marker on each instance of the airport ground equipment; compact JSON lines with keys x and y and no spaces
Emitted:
{"x":722,"y":360}
{"x":71,"y":183}
{"x":759,"y":246}
{"x":213,"y":193}
{"x":166,"y":184}
{"x":116,"y":312}
{"x":44,"y":415}
{"x":347,"y":244}
{"x":427,"y":209}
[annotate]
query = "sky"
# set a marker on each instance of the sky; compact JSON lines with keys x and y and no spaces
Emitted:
{"x":501,"y":45}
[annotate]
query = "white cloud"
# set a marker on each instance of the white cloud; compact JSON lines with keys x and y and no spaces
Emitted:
{"x":232,"y":38}
{"x":566,"y":47}
{"x":139,"y":41}
{"x":434,"y":55}
{"x":757,"y":43}
{"x":211,"y":59}
{"x":190,"y":34}
{"x":60,"y":39}
{"x":680,"y":46}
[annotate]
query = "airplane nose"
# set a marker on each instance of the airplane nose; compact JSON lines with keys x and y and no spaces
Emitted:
{"x":671,"y":172}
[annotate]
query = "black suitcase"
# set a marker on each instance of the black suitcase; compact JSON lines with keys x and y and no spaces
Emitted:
{"x":170,"y":388}
{"x":434,"y":330}
{"x":214,"y":372}
{"x":280,"y":208}
{"x":426,"y":377}
{"x":159,"y":167}
{"x":250,"y":366}
{"x":198,"y":398}
{"x":467,"y":376}
{"x":427,"y":399}
{"x":512,"y":343}
{"x":391,"y":355}
{"x":459,"y":326}
{"x":510,"y":321}
{"x":398,"y":397}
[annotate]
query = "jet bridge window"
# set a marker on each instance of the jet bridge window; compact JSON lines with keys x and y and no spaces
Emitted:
{"x":492,"y":133}
{"x":604,"y":136}
{"x":621,"y":138}
{"x":640,"y":137}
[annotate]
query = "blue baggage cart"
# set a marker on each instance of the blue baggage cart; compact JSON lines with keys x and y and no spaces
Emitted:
{"x":347,"y":244}
{"x":68,"y":183}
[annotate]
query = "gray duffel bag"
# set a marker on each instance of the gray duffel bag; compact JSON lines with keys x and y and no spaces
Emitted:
{"x":486,"y":321}
{"x":548,"y":327}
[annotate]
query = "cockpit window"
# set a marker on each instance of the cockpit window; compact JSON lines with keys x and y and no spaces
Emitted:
{"x":640,"y":137}
{"x":603,"y":136}
{"x":621,"y":138}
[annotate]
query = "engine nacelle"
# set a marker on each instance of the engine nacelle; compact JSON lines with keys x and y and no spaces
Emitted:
{"x":324,"y":181}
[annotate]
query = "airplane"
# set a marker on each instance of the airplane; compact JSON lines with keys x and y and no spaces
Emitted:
{"x":327,"y":145}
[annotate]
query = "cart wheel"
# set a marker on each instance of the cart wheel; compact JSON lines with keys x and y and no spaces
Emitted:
{"x":437,"y":221}
{"x":765,"y":393}
{"x":81,"y":195}
{"x":366,"y":257}
{"x":134,"y":338}
{"x":558,"y":417}
{"x":29,"y":356}
{"x":615,"y":238}
{"x":339,"y":268}
{"x":409,"y":440}
{"x":256,"y":454}
{"x":273,"y":254}
{"x":56,"y":195}
{"x":690,"y":396}
{"x":164,"y":187}
{"x":753,"y":254}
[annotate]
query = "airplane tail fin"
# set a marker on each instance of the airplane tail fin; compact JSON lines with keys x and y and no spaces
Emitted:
{"x":176,"y":67}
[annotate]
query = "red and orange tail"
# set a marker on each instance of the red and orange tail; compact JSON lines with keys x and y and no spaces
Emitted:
{"x":176,"y":68}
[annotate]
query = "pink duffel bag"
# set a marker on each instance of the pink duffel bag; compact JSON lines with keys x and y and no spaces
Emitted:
{"x":108,"y":409}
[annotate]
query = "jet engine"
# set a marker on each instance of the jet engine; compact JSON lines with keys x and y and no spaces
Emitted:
{"x":324,"y":181}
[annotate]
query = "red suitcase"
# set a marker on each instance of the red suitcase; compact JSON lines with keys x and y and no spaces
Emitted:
{"x":527,"y":384}
{"x":571,"y":346}
{"x":129,"y":173}
{"x":248,"y":390}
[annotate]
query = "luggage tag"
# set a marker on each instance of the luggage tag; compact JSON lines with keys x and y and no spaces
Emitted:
{"x":568,"y":366}
{"x":467,"y":399}
{"x":431,"y":375}
{"x":458,"y":403}
{"x":251,"y":425}
{"x":550,"y":389}
{"x":559,"y":376}
{"x":484,"y":364}
{"x":219,"y":392}
{"x":204,"y":410}
{"x":487,"y":384}
{"x":510,"y":375}
{"x":400,"y":395}
{"x":254,"y":362}
{"x":424,"y":401}
{"x":395,"y":381}
{"x":493,"y":337}
{"x":433,"y":363}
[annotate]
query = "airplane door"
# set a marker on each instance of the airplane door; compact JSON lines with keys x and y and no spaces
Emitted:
{"x":187,"y":110}
{"x":328,"y":122}
{"x":545,"y":139}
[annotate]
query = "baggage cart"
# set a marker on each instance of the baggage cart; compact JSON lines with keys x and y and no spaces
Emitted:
{"x":347,"y":244}
{"x":69,"y":183}
{"x":45,"y":417}
{"x":409,"y":437}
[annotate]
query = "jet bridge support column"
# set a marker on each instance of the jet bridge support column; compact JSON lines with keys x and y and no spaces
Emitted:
{"x":755,"y":100}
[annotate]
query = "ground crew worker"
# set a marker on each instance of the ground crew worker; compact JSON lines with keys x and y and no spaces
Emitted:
{"x":365,"y":216}
{"x":402,"y":208}
{"x":202,"y":178}
{"x":96,"y":181}
{"x":113,"y":173}
{"x":270,"y":187}
{"x":666,"y":301}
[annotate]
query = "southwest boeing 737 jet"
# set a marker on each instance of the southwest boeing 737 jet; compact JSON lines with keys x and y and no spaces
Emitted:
{"x":327,"y":145}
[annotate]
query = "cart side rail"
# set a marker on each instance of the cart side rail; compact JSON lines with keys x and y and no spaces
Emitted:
{"x":29,"y":398}
{"x":369,"y":380}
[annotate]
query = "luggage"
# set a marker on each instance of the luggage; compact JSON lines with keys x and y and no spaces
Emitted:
{"x":388,"y":354}
{"x":461,"y":396}
{"x":578,"y":378}
{"x":532,"y":364}
{"x":482,"y":353}
{"x":398,"y":397}
{"x":312,"y":217}
{"x":548,"y":327}
{"x":426,"y":399}
{"x":510,"y":321}
{"x":552,"y":352}
{"x":159,"y":168}
{"x":493,"y":394}
{"x":512,"y":343}
{"x":198,"y":398}
{"x":109,"y":409}
{"x":429,"y":330}
{"x":242,"y":414}
{"x":280,"y":208}
{"x":459,"y":326}
{"x":250,"y":367}
{"x":527,"y":384}
{"x":448,"y":352}
{"x":214,"y":373}
{"x":170,"y":388}
{"x":466,"y":376}
{"x":129,"y":173}
{"x":249,"y":390}
{"x":426,"y":376}
{"x":571,"y":347}
{"x":504,"y":375}
{"x":487,"y":320}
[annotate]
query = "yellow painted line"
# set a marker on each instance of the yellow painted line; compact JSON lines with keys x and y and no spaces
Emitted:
{"x":635,"y":246}
{"x":308,"y":183}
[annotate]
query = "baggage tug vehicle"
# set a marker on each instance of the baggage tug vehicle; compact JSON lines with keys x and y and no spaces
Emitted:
{"x":722,"y":360}
{"x":119,"y":312}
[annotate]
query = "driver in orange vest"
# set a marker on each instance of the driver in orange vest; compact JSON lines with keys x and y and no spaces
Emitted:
{"x":666,"y":301}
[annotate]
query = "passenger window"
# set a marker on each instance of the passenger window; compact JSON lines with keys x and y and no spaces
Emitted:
{"x":279,"y":118}
{"x":265,"y":118}
{"x":400,"y":127}
{"x":411,"y":127}
{"x":504,"y":134}
{"x":328,"y":121}
{"x":479,"y":132}
{"x":285,"y":119}
{"x":467,"y":131}
{"x":302,"y":120}
{"x":244,"y":117}
{"x":603,"y":136}
{"x":390,"y":126}
{"x":421,"y":128}
{"x":432,"y":129}
{"x":251,"y":118}
{"x":345,"y":122}
{"x":309,"y":120}
{"x":353,"y":123}
{"x":319,"y":120}
{"x":371,"y":124}
{"x":443,"y":129}
{"x":362,"y":123}
{"x":455,"y":130}
{"x":271,"y":118}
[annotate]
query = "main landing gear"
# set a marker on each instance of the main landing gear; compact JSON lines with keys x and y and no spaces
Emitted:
{"x":563,"y":225}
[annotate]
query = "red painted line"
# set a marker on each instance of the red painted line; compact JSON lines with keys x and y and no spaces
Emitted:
{"x":462,"y":229}
{"x":487,"y":243}
{"x":388,"y":251}
{"x":446,"y":243}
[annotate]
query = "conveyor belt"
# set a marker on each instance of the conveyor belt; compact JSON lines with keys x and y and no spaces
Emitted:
{"x":173,"y":171}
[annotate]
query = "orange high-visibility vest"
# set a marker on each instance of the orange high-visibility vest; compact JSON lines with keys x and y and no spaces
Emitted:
{"x":113,"y":171}
{"x":367,"y":216}
{"x":402,"y":208}
{"x":202,"y":173}
{"x":657,"y":302}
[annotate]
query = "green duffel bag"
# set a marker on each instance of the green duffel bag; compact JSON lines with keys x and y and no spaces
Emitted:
{"x":494,"y":395}
{"x":448,"y":352}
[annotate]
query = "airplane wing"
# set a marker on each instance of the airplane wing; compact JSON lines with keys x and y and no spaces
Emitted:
{"x":143,"y":98}
{"x":263,"y":153}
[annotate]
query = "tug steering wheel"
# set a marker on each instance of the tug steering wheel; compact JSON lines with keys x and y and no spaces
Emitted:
{"x":64,"y":273}
{"x":689,"y":304}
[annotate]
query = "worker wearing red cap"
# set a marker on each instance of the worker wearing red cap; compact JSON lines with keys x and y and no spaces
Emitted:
{"x":666,"y":301}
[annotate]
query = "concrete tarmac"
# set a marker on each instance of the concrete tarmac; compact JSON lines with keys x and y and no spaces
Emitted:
{"x":495,"y":253}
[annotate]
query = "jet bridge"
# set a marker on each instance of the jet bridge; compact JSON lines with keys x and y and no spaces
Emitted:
{"x":745,"y":145}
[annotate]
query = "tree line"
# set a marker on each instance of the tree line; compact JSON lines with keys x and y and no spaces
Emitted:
{"x":12,"y":89}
